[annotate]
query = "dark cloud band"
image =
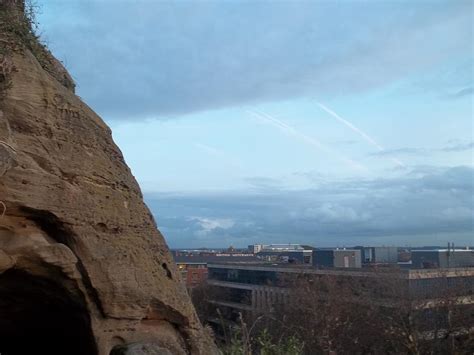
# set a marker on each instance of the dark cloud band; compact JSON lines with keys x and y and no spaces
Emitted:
{"x":142,"y":59}
{"x":423,"y":202}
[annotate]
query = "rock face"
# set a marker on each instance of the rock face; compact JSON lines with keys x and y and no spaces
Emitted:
{"x":83,"y":268}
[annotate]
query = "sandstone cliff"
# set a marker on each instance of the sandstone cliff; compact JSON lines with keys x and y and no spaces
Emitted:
{"x":80,"y":253}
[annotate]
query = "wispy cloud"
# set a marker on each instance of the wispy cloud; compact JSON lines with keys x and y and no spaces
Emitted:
{"x":462,"y":93}
{"x":451,"y":148}
{"x":360,"y":132}
{"x":458,"y":147}
{"x":311,"y":141}
{"x":400,"y":151}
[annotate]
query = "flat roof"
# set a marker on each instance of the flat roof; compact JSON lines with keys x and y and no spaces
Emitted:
{"x":338,"y":249}
{"x":303,"y":269}
{"x":205,"y":259}
{"x":442,"y":250}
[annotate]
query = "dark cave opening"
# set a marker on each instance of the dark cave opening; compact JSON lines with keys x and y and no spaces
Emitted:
{"x":38,"y":316}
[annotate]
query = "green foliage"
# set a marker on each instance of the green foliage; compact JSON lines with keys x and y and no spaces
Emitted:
{"x":19,"y":27}
{"x":263,"y":345}
{"x":288,"y":346}
{"x":19,"y":32}
{"x":236,"y":346}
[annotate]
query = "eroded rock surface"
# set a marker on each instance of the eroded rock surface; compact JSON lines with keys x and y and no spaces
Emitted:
{"x":141,"y":349}
{"x":75,"y":217}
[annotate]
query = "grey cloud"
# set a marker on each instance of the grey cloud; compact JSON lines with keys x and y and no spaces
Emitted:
{"x":159,"y":59}
{"x":418,"y":204}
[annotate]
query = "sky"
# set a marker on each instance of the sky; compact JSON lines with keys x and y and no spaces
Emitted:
{"x":329,"y":123}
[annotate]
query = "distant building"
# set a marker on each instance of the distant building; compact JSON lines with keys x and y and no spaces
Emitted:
{"x":255,"y":248}
{"x":192,"y":273}
{"x":290,"y":253}
{"x":256,"y":288}
{"x":193,"y":265}
{"x":404,"y":256}
{"x":442,"y":258}
{"x":379,"y":255}
{"x":338,"y":258}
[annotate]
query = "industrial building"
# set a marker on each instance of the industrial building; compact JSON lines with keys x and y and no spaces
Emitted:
{"x":252,"y":290}
{"x":290,"y":253}
{"x":442,"y":258}
{"x":339,"y":258}
{"x":379,"y":255}
{"x":258,"y":287}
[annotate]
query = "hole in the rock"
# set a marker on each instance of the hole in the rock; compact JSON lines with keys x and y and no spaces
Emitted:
{"x":168,"y":272}
{"x":37,"y":316}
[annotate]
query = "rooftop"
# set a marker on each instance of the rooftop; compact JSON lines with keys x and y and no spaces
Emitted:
{"x":369,"y":272}
{"x":442,"y":250}
{"x":216,"y":258}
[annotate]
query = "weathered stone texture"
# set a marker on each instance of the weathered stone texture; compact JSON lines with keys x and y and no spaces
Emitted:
{"x":75,"y":215}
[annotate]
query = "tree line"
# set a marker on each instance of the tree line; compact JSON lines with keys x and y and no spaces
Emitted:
{"x":324,"y":314}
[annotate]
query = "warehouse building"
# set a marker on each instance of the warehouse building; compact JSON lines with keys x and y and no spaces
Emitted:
{"x":442,"y":258}
{"x":379,"y":255}
{"x":339,"y":258}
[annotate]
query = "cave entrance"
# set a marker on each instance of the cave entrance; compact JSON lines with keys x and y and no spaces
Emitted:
{"x":38,"y":316}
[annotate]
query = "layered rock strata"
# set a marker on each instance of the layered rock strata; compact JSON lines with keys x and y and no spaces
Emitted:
{"x":81,"y":258}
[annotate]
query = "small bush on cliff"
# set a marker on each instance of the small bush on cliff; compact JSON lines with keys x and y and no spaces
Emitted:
{"x":18,"y":24}
{"x":18,"y":28}
{"x":19,"y":31}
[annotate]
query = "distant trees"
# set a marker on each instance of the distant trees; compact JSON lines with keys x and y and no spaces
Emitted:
{"x":238,"y":333}
{"x":349,"y":315}
{"x":377,"y":315}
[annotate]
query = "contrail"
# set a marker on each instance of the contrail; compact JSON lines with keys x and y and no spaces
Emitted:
{"x":358,"y":131}
{"x":303,"y":137}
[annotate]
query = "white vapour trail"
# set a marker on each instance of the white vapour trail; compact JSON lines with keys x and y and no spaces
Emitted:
{"x":306,"y":139}
{"x":364,"y":135}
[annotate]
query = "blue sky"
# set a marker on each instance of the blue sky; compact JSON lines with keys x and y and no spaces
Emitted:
{"x":328,"y":123}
